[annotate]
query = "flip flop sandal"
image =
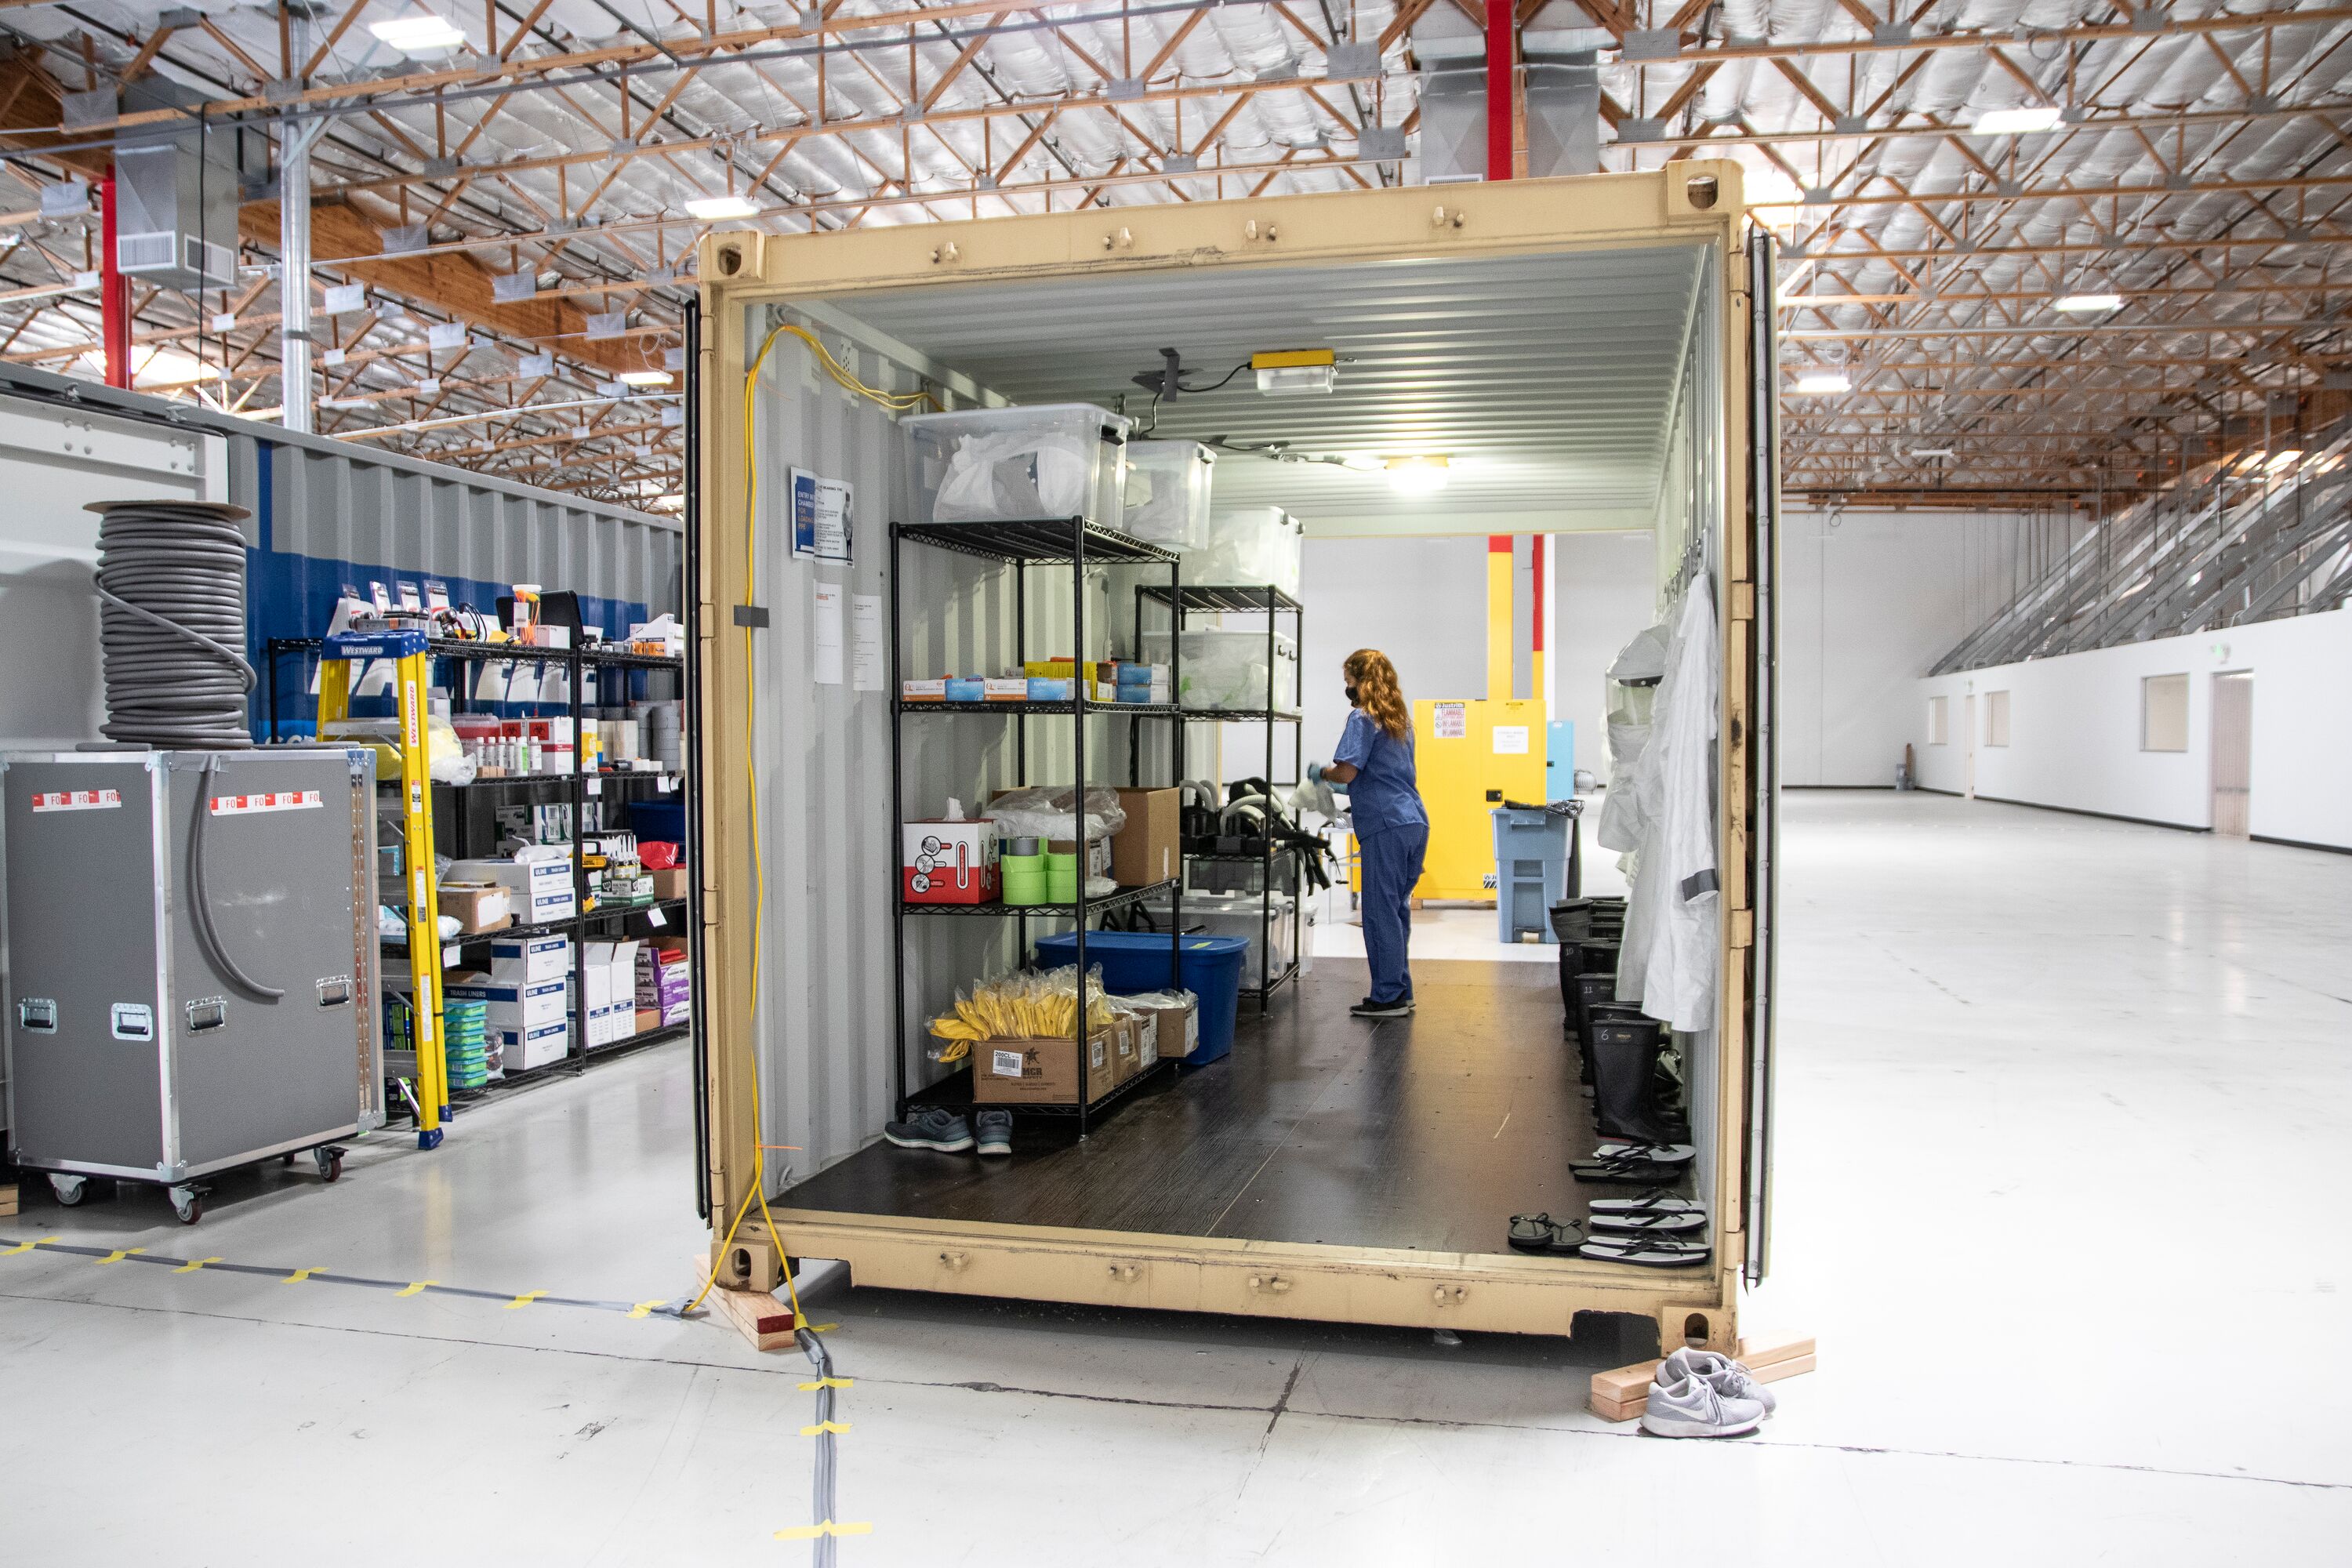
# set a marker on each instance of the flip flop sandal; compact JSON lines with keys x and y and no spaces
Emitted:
{"x":1658,"y":1200}
{"x":1541,"y":1232}
{"x":1627,"y":1173}
{"x":1663,"y":1153}
{"x":1648,"y":1251}
{"x":1648,"y":1223}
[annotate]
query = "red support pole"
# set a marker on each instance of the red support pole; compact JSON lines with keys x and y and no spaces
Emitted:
{"x":113,"y":294}
{"x":1502,"y":81}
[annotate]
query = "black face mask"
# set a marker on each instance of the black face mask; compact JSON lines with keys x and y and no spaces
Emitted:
{"x":1353,"y":699}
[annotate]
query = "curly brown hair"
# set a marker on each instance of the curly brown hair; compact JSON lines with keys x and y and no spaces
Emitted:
{"x":1377,"y":691}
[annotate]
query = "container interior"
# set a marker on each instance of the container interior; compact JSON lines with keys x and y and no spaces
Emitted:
{"x":1576,"y":389}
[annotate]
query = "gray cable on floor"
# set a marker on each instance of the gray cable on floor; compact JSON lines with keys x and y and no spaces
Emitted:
{"x":171,"y":589}
{"x":821,"y":1501}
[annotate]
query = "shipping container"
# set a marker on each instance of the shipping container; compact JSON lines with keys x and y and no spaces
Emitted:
{"x":1601,"y":345}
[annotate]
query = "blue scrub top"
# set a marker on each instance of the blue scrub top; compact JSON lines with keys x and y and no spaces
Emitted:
{"x":1383,"y":793}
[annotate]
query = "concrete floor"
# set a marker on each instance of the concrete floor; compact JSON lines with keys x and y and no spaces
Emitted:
{"x":2063,"y":1114}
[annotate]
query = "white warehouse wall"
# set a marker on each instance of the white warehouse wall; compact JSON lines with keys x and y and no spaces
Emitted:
{"x":2074,"y":729}
{"x":1604,"y":588}
{"x":1869,"y":601}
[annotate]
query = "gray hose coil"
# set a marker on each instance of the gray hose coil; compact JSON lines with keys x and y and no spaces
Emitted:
{"x":171,"y":589}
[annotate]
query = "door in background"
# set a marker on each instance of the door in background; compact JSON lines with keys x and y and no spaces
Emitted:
{"x":2233,"y":753}
{"x":1968,"y":742}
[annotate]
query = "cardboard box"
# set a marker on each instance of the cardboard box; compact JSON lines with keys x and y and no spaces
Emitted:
{"x":1134,"y":1047}
{"x":922,"y":690}
{"x":512,"y":1004}
{"x":1041,"y":1072}
{"x":477,"y":906}
{"x":520,"y":1050}
{"x":648,"y":1020}
{"x":998,"y":689}
{"x":670,"y":882}
{"x":948,"y":862}
{"x":531,"y":958}
{"x":541,"y":888}
{"x":1149,"y":848}
{"x":1177,"y":1029}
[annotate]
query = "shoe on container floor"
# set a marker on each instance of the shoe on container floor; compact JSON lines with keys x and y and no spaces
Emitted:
{"x":1368,"y":1008}
{"x":1648,"y":1221}
{"x":934,"y":1127}
{"x":995,"y":1131}
{"x":1658,"y":1200}
{"x":1722,"y":1373}
{"x":1689,"y":1407}
{"x":1626,"y":1149}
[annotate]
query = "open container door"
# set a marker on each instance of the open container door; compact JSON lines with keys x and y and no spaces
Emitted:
{"x":1764,"y":542}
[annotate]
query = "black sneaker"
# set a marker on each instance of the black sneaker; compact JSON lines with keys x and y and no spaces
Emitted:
{"x":934,"y":1127}
{"x":1368,"y":1008}
{"x":994,"y":1129}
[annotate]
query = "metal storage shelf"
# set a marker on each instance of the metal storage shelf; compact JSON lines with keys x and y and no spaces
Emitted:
{"x":1239,"y":597}
{"x":1134,"y":709}
{"x":1123,"y":898}
{"x":1077,"y":544}
{"x":572,"y":783}
{"x":1044,"y":539}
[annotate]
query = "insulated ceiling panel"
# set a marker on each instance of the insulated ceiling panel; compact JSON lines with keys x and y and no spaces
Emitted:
{"x":1545,"y":381}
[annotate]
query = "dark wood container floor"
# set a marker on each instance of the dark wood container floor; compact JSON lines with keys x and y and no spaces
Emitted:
{"x":1426,"y":1133}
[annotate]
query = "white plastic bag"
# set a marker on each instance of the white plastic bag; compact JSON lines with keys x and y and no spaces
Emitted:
{"x":1050,"y":813}
{"x":1020,"y":474}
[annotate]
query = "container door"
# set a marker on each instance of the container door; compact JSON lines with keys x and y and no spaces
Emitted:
{"x":1764,"y":523}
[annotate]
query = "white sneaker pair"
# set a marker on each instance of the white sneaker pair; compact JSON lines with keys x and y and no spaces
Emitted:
{"x":1698,"y":1393}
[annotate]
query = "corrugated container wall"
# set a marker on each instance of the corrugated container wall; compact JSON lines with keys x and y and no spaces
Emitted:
{"x":326,"y":513}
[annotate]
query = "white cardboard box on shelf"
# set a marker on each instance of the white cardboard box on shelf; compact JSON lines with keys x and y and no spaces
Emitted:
{"x":541,"y":886}
{"x":522,"y":1049}
{"x":531,"y":958}
{"x":512,"y":1004}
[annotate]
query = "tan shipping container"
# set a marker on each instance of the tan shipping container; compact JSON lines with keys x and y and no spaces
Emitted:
{"x":799,"y":941}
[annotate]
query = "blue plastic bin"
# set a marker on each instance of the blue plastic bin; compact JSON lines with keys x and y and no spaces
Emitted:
{"x":1530,"y":871}
{"x":1210,"y":967}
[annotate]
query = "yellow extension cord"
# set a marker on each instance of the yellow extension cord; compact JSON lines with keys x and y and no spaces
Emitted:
{"x":896,"y":402}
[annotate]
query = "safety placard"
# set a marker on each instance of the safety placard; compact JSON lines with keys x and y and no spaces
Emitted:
{"x":1510,"y":739}
{"x":1451,"y":721}
{"x":78,"y":800}
{"x":279,"y":800}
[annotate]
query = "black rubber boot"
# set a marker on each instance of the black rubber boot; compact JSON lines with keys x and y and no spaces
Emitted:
{"x":1624,"y":1057}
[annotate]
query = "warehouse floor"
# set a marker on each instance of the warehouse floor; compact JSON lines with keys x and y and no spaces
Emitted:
{"x":2063,"y":1124}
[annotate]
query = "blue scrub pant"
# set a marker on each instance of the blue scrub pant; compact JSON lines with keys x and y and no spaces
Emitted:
{"x":1391,"y":865}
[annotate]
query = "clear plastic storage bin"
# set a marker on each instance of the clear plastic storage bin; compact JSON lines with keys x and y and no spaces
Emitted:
{"x":1240,"y":915}
{"x":1011,"y":465}
{"x":1168,"y":492}
{"x":1253,"y":545}
{"x":1227,"y":669}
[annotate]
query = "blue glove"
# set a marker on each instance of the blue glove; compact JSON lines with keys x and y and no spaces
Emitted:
{"x":1315,"y":775}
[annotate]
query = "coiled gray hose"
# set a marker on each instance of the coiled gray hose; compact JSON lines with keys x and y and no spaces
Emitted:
{"x":171,"y":589}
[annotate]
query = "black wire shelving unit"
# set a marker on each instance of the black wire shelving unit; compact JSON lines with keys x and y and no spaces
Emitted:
{"x":1078,"y":543}
{"x":1183,"y":600}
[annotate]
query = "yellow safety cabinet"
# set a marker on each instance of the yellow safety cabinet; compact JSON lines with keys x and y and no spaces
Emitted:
{"x":1470,"y":757}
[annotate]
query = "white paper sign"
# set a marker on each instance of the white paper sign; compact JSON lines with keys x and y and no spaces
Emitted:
{"x":1510,"y":739}
{"x":825,"y":668}
{"x":866,"y":642}
{"x":1451,"y":722}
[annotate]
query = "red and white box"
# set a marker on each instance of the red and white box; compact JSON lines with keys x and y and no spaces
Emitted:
{"x":948,"y":862}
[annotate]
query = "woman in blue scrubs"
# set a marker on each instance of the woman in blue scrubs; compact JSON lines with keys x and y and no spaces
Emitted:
{"x":1374,"y":762}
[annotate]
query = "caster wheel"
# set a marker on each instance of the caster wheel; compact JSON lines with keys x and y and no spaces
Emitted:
{"x":69,"y":1190}
{"x":188,"y":1204}
{"x":287,"y":1162}
{"x":330,"y":1163}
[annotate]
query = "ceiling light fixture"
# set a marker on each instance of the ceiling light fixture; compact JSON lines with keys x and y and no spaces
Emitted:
{"x":646,"y":377}
{"x":2087,"y":304}
{"x":1283,"y":372}
{"x":421,"y":37}
{"x":2023,"y":121}
{"x":2286,"y":460}
{"x":1416,"y":476}
{"x":1824,"y":380}
{"x":1931,"y":451}
{"x":715,"y":209}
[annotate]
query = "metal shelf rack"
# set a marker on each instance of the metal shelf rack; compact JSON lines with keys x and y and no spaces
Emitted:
{"x":609,"y":922}
{"x":1184,"y":600}
{"x":1078,"y":543}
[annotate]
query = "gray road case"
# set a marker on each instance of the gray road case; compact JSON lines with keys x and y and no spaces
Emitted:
{"x":133,"y":1051}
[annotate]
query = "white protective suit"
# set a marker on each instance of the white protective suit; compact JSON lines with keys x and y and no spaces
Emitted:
{"x":1621,"y":825}
{"x":1671,"y":956}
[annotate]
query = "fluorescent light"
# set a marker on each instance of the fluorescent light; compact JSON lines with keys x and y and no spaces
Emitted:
{"x":1416,"y":476}
{"x":1821,"y":381}
{"x":2016,"y":121}
{"x":646,"y":377}
{"x":712,"y":209}
{"x":425,"y":37}
{"x":2286,"y":460}
{"x":1931,"y":451}
{"x":2087,"y":304}
{"x":1287,"y":371}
